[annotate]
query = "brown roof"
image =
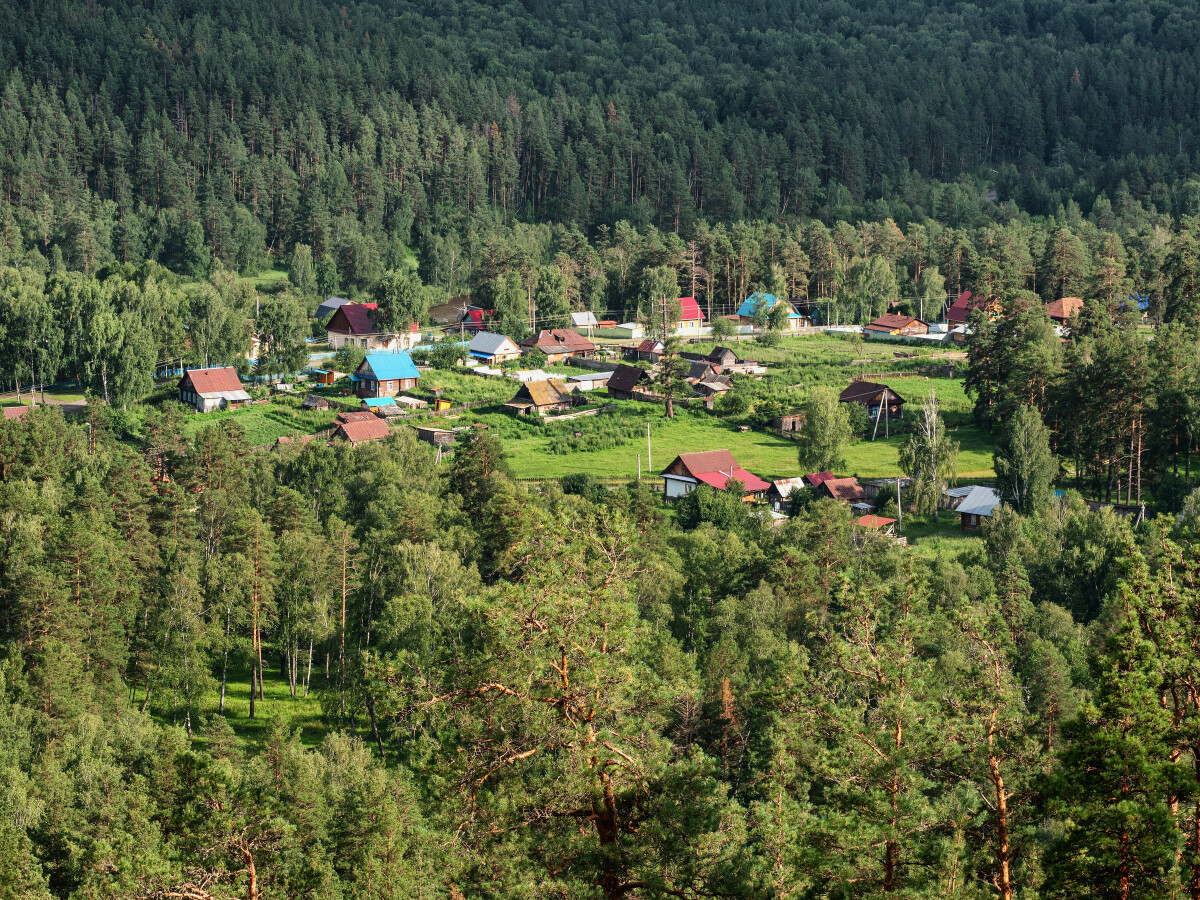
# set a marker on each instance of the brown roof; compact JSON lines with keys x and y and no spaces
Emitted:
{"x":545,"y":393}
{"x":212,"y":381}
{"x":650,"y":345}
{"x":1061,"y":310}
{"x":15,"y":412}
{"x":865,"y":392}
{"x":873,"y":521}
{"x":353,"y":318}
{"x":627,"y":378}
{"x":558,"y":340}
{"x":361,"y":415}
{"x":892,"y":321}
{"x":844,"y":488}
{"x":368,"y":429}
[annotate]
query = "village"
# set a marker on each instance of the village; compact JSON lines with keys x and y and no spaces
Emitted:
{"x":588,"y":400}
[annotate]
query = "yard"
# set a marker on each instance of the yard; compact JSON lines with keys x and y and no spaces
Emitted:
{"x":265,"y":422}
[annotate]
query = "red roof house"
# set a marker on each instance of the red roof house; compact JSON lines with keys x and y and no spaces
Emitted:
{"x":893,"y":323}
{"x":209,"y":389}
{"x":360,"y":430}
{"x":712,"y":467}
{"x":559,"y":343}
{"x":1060,"y":311}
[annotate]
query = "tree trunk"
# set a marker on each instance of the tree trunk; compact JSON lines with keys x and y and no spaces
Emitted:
{"x":308,"y":674}
{"x":1003,"y":850}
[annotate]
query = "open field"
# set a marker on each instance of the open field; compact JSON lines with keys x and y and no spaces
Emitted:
{"x":267,"y":421}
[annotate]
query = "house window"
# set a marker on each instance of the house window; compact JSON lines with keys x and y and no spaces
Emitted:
{"x":363,"y":341}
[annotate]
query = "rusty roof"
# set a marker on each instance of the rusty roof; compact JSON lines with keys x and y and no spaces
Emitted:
{"x":363,"y":430}
{"x":212,"y":381}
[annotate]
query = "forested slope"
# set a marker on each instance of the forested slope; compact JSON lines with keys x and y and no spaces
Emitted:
{"x":178,"y":130}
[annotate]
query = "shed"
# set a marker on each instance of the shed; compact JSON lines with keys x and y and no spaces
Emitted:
{"x":411,"y":402}
{"x":779,"y":494}
{"x":980,"y":503}
{"x":625,"y":381}
{"x":789,"y":423}
{"x":540,"y":397}
{"x":314,"y":401}
{"x":589,"y":381}
{"x":583,"y":320}
{"x":436,"y":437}
{"x":873,"y":396}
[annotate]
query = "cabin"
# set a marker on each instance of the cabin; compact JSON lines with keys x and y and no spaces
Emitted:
{"x":978,"y":505}
{"x":629,"y":383}
{"x":385,"y":375}
{"x":559,"y":344}
{"x":353,"y":324}
{"x":712,"y":467}
{"x":211,"y":389}
{"x":759,"y":303}
{"x":896,"y":324}
{"x":781,"y":491}
{"x":359,"y":431}
{"x":789,"y":423}
{"x":314,"y":401}
{"x":540,"y":397}
{"x":492,"y":348}
{"x":874,"y":397}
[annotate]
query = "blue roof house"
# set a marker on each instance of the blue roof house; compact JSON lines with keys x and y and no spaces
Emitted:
{"x":767,"y":302}
{"x":385,"y":375}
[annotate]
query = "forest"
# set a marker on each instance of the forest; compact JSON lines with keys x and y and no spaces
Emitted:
{"x":299,"y":669}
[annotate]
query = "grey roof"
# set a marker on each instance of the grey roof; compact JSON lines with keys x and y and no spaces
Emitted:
{"x":489,"y":343}
{"x":957,"y":492}
{"x":583,"y":320}
{"x":590,"y":376}
{"x":330,"y":305}
{"x":980,"y":501}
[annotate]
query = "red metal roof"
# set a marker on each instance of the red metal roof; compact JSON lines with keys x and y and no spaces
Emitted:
{"x":817,"y":477}
{"x":368,"y":429}
{"x":689,"y":309}
{"x":960,"y":309}
{"x":558,"y":340}
{"x":356,"y":416}
{"x":212,"y":381}
{"x":353,"y":318}
{"x":1061,"y":310}
{"x":715,"y":467}
{"x":892,"y":321}
{"x":873,"y":521}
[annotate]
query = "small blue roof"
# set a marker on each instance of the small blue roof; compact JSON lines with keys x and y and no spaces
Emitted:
{"x":769,"y":300}
{"x":387,"y":366}
{"x":373,"y":402}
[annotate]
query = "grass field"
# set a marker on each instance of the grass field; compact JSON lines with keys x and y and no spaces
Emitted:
{"x":944,"y":539}
{"x":59,"y":396}
{"x":268,"y":421}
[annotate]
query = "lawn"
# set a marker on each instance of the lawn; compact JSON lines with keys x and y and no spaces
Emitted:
{"x":59,"y":396}
{"x":944,"y":539}
{"x":266,"y":422}
{"x":881,"y":458}
{"x":297,"y":712}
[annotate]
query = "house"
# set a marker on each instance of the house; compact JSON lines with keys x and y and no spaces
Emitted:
{"x":875,"y":485}
{"x":699,"y":369}
{"x":353,"y":324}
{"x":759,"y":303}
{"x":894,"y":323}
{"x":314,"y":401}
{"x":725,"y":361}
{"x":873,"y":396}
{"x":960,"y":310}
{"x":493,"y":348}
{"x":979,"y":504}
{"x":209,"y":389}
{"x":1060,"y":311}
{"x":779,"y":494}
{"x":629,"y":383}
{"x":714,"y":468}
{"x":540,"y":397}
{"x":359,"y":431}
{"x":385,"y":375}
{"x":648,"y":350}
{"x":15,"y":412}
{"x":815,"y":478}
{"x":691,"y":317}
{"x":330,"y":306}
{"x":847,"y":490}
{"x":559,"y":344}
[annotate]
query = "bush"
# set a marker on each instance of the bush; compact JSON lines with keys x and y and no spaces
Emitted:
{"x":769,"y":339}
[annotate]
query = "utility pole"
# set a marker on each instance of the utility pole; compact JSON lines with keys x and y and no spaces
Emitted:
{"x":649,"y":455}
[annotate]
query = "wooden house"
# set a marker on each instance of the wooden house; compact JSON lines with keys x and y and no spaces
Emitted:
{"x":846,"y":490}
{"x":649,"y":350}
{"x":1061,"y":311}
{"x":781,"y":491}
{"x":559,"y":344}
{"x":211,"y":389}
{"x":385,"y":375}
{"x":314,"y":401}
{"x":353,"y":324}
{"x":491,"y":348}
{"x":979,"y":504}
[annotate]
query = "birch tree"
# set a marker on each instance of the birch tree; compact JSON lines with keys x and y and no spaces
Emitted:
{"x":929,"y":458}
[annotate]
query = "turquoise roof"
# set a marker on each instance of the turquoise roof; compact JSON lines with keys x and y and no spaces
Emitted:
{"x":388,"y":366}
{"x":769,"y":300}
{"x":373,"y":402}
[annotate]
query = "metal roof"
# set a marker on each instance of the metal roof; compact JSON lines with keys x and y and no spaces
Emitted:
{"x":388,"y":366}
{"x":488,"y":343}
{"x":981,"y":501}
{"x":583,"y":320}
{"x":372,"y":402}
